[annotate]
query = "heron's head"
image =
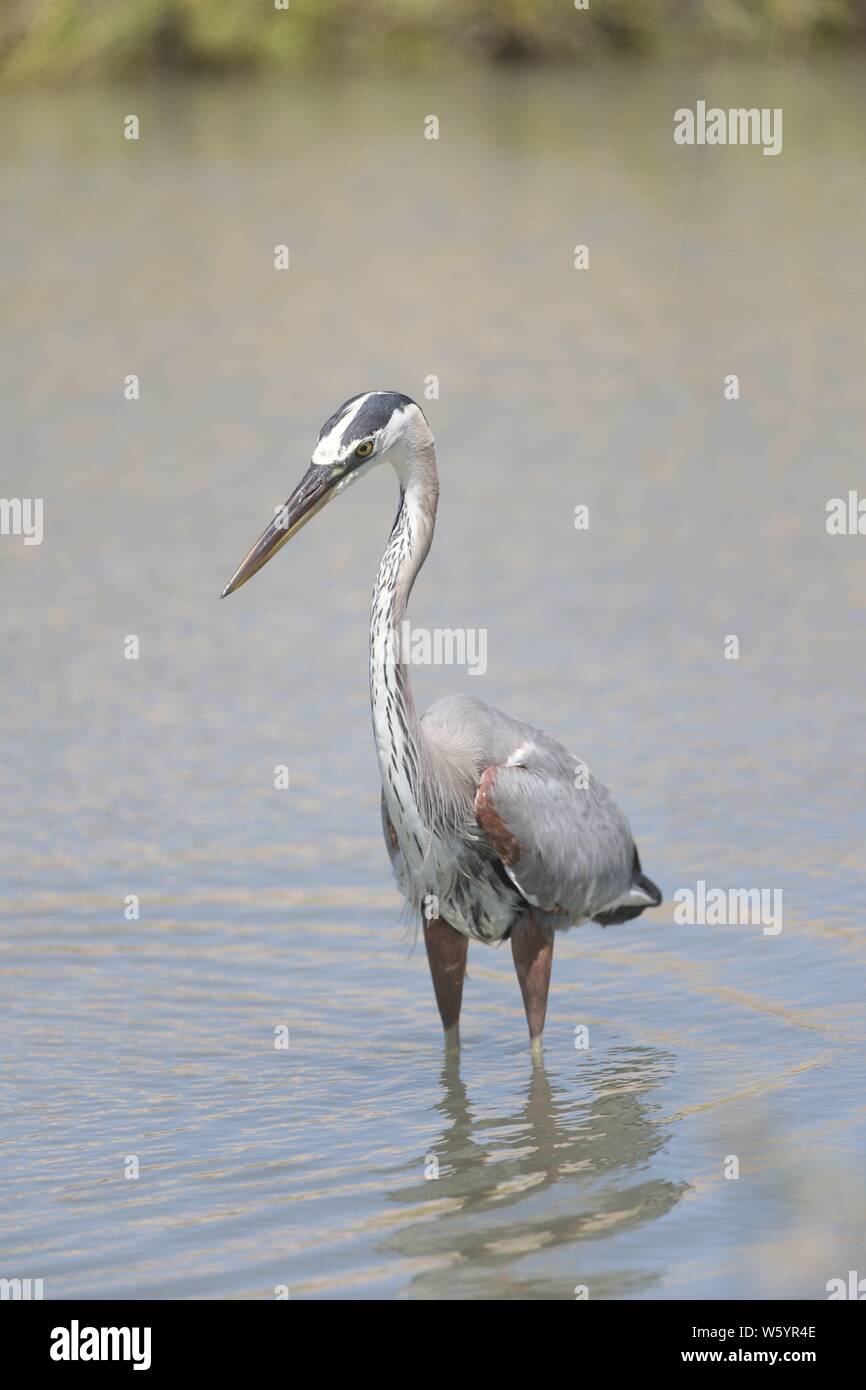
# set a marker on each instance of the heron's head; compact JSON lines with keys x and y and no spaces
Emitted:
{"x":365,"y":431}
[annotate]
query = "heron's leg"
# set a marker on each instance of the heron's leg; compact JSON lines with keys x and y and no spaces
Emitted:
{"x":446,"y":952}
{"x":532,"y":949}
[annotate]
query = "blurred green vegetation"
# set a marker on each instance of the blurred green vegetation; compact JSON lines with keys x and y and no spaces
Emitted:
{"x":73,"y":39}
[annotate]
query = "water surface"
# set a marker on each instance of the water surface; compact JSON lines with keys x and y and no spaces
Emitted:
{"x":260,"y":909}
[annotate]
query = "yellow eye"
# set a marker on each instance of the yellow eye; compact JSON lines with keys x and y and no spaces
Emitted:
{"x":364,"y":450}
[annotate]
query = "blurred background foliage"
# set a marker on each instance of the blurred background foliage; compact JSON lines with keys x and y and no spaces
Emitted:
{"x":76,"y":39}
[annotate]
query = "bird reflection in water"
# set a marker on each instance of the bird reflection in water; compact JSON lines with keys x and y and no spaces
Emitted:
{"x":589,"y":1153}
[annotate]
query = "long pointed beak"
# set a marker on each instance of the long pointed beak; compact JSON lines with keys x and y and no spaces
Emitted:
{"x":313,"y":492}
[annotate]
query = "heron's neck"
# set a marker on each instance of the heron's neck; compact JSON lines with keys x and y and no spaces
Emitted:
{"x":395,"y":721}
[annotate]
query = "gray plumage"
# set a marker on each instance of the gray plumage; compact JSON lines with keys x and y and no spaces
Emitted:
{"x":522,"y":822}
{"x":488,"y":821}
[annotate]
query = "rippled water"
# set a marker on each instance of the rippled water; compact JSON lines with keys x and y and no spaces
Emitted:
{"x":260,"y":908}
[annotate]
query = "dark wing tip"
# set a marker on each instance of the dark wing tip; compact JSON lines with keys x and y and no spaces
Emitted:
{"x":649,"y":887}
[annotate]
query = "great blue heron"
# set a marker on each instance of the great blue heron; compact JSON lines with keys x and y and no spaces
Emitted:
{"x":493,"y":828}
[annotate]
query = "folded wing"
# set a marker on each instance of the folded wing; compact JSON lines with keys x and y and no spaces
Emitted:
{"x":562,"y":839}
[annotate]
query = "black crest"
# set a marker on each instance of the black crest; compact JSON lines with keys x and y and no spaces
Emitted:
{"x":373,"y":415}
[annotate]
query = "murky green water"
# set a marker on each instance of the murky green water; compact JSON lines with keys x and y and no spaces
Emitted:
{"x":261,"y":908}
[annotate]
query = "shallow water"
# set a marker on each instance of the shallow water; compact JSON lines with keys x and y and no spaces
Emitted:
{"x":259,"y":908}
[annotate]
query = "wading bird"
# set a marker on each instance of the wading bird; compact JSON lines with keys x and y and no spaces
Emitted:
{"x":494,"y":830}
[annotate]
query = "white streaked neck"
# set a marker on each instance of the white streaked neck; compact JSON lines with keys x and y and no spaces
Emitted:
{"x":395,"y":722}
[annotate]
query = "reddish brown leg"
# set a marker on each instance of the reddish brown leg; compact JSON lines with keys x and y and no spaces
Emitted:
{"x":446,"y":952}
{"x":532,"y":949}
